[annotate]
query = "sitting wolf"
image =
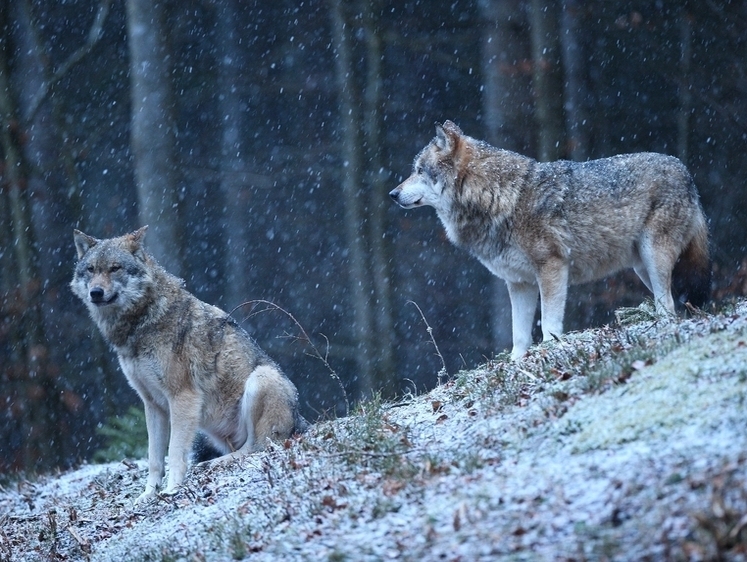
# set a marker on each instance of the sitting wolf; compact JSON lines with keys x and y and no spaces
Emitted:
{"x":191,"y":364}
{"x":544,"y":225}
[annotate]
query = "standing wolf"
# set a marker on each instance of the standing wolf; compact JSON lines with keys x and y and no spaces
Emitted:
{"x":191,"y":364}
{"x":541,"y":226}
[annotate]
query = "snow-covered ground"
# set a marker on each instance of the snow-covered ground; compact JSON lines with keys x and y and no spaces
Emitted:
{"x":613,"y":444}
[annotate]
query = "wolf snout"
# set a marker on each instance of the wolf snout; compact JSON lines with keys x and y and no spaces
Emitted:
{"x":405,"y":199}
{"x":98,"y":296}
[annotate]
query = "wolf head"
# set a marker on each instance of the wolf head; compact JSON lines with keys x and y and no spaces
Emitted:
{"x":111,"y":275}
{"x":432,"y":170}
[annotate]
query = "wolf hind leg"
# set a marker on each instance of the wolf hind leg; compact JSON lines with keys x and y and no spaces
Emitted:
{"x":658,"y":264}
{"x":274,"y":406}
{"x":553,"y":286}
{"x":643,"y":276}
{"x":523,"y":306}
{"x":265,"y":414}
{"x":244,"y":432}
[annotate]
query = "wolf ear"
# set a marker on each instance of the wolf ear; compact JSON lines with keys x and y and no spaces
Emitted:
{"x":135,"y":241}
{"x":83,"y":242}
{"x":452,"y":127}
{"x":447,"y":136}
{"x":139,"y":234}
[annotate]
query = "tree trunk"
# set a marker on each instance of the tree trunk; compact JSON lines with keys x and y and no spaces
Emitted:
{"x":234,"y":181}
{"x":685,"y":94}
{"x":547,"y":79}
{"x":505,"y":52}
{"x":381,"y":251}
{"x":36,"y":397}
{"x":153,"y":134}
{"x":363,"y":324}
{"x":576,"y":91}
{"x":506,"y":74}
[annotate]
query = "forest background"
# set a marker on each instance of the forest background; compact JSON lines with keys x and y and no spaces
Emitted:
{"x":259,"y":141}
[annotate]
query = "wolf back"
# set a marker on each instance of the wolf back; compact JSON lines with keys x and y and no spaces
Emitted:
{"x":191,"y":364}
{"x":543,"y":226}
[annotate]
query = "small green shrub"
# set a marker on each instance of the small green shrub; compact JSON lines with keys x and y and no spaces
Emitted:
{"x":126,"y":437}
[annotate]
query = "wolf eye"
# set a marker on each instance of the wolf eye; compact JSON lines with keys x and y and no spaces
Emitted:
{"x":114,"y":268}
{"x":89,"y":269}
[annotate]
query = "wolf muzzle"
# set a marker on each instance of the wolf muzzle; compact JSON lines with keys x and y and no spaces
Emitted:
{"x":98,"y":296}
{"x":405,"y":203}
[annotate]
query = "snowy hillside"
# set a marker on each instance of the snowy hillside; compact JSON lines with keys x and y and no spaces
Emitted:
{"x":622,"y":443}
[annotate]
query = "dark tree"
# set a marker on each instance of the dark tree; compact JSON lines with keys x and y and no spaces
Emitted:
{"x":547,"y":79}
{"x":506,"y":102}
{"x":375,"y":182}
{"x":235,"y":181}
{"x":153,"y":131}
{"x":576,"y":89}
{"x":32,"y":395}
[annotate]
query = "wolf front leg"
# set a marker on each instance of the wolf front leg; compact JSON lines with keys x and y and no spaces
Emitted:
{"x":523,"y":305}
{"x":185,"y":410}
{"x":157,"y":424}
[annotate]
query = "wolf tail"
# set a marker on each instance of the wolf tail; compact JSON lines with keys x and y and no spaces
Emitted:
{"x":300,"y":424}
{"x":691,"y":278}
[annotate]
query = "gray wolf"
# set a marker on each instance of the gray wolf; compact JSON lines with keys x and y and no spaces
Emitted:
{"x":540,"y":226}
{"x":192,"y":365}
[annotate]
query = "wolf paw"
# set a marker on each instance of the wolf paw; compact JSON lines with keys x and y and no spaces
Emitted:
{"x":170,"y":491}
{"x":147,"y":496}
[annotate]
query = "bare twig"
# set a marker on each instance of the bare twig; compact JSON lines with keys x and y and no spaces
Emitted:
{"x":85,"y":546}
{"x":695,"y":311}
{"x":304,"y":338}
{"x":443,"y":372}
{"x":129,"y":464}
